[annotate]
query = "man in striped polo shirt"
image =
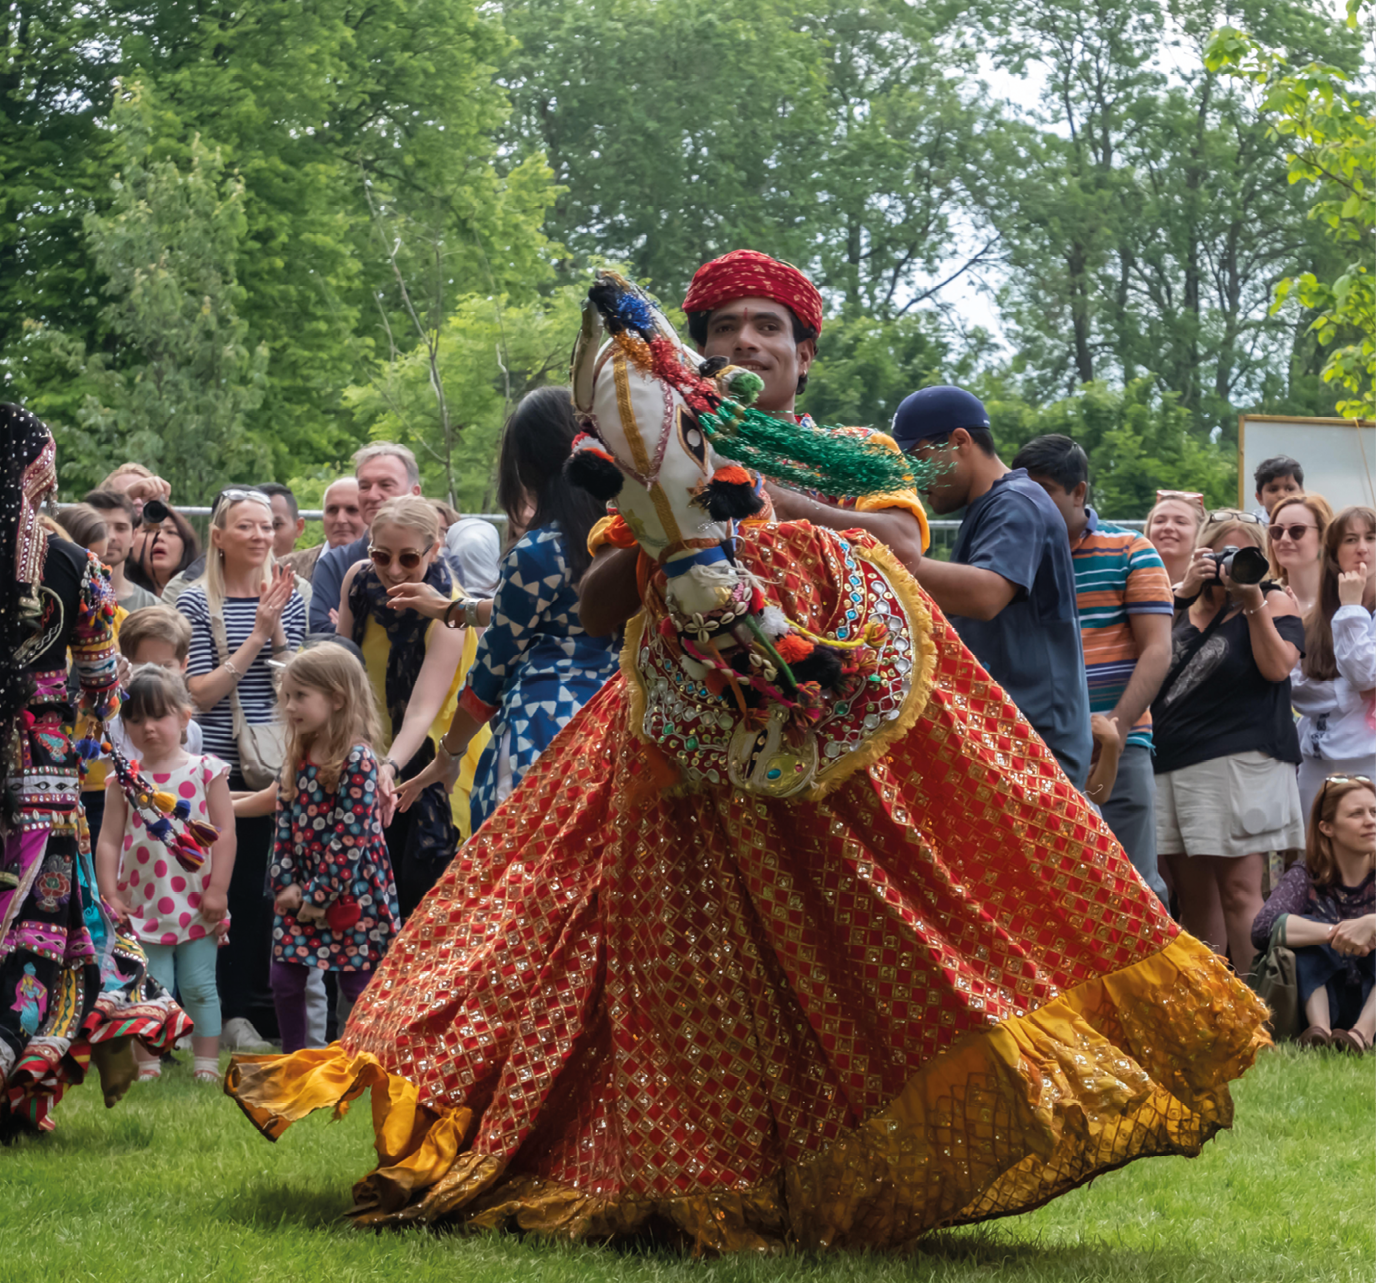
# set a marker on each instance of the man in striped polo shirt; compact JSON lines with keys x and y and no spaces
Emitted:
{"x":1126,"y":609}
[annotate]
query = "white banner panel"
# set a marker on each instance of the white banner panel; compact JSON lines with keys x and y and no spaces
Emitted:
{"x":1338,"y":456}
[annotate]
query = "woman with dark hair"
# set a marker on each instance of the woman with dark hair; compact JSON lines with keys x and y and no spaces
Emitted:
{"x":536,"y":667}
{"x":1333,"y":688}
{"x":73,"y":983}
{"x":163,"y":548}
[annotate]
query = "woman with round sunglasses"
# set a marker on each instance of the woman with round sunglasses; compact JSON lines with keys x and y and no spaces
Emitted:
{"x":415,"y":666}
{"x":1334,"y":685}
{"x":536,"y":665}
{"x":264,"y":618}
{"x":1295,"y":537}
{"x":1326,"y":908}
{"x":1226,"y":750}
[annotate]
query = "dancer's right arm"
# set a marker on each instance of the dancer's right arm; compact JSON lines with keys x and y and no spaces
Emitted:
{"x":108,"y":847}
{"x":608,"y":594}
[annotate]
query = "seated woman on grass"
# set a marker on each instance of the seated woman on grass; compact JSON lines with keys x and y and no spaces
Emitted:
{"x":1329,"y":906}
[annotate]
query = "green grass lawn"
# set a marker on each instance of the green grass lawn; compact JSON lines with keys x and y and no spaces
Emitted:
{"x":175,"y":1184}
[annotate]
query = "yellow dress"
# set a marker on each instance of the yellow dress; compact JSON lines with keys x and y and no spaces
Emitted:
{"x":375,"y":647}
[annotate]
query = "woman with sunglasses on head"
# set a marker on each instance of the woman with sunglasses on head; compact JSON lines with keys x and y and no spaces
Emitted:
{"x":416,"y":666}
{"x":263,"y":618}
{"x":165,"y":544}
{"x":1295,"y":535}
{"x":1226,"y":749}
{"x":1171,"y":528}
{"x":1335,"y":682}
{"x":1328,"y":908}
{"x":536,"y":666}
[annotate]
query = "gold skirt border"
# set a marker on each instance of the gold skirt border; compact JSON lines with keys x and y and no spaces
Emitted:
{"x":1129,"y":1065}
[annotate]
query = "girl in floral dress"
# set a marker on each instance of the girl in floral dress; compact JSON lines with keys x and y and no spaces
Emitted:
{"x":336,"y":899}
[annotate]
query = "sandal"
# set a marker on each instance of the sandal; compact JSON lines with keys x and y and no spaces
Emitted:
{"x":150,"y":1073}
{"x":206,"y":1076}
{"x":1350,"y":1042}
{"x":1314,"y":1037}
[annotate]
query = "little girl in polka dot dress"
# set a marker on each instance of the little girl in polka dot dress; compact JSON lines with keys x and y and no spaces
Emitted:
{"x":178,"y":917}
{"x":336,"y":897}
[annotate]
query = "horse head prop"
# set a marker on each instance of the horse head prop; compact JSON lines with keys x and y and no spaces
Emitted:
{"x":675,"y":443}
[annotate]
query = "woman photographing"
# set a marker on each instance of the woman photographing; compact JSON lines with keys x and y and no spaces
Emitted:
{"x":1226,"y":749}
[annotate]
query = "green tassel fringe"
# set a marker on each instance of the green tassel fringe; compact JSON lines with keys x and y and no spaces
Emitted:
{"x":823,"y":458}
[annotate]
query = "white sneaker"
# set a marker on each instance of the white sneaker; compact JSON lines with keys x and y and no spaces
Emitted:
{"x":239,"y":1035}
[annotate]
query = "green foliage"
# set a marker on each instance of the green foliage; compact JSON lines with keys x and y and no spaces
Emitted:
{"x":1138,"y":440}
{"x":186,"y":379}
{"x":1330,"y":132}
{"x":449,"y":396}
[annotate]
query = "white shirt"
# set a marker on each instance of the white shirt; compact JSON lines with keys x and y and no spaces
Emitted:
{"x":1336,"y":723}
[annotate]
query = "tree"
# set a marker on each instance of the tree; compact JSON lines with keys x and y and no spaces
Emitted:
{"x":186,"y":382}
{"x":449,"y":395}
{"x":1331,"y":131}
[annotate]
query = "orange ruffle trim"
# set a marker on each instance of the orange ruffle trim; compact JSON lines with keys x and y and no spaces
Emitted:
{"x":1134,"y":1064}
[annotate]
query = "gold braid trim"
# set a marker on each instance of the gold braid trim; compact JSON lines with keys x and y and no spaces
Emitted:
{"x":1129,"y":1065}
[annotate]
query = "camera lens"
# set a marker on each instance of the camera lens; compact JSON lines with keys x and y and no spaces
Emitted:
{"x":154,"y":512}
{"x":1246,"y":566}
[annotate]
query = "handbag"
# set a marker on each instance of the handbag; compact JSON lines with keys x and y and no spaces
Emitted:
{"x":262,"y":745}
{"x":1274,"y":980}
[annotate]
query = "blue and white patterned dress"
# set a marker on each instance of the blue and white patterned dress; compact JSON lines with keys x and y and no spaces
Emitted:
{"x":535,"y":667}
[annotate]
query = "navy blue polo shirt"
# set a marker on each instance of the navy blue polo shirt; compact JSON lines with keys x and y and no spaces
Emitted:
{"x":1032,"y":646}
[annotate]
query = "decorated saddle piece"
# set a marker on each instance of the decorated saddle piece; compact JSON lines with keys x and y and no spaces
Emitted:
{"x":796,"y":934}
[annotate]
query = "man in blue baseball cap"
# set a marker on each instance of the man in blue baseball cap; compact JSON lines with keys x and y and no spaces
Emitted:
{"x":1009,"y":588}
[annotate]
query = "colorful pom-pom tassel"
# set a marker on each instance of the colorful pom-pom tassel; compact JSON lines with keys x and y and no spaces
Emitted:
{"x":793,"y":649}
{"x":205,"y":834}
{"x":183,"y":809}
{"x":161,"y":829}
{"x":164,"y":802}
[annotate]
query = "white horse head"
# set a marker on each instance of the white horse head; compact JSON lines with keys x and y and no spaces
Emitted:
{"x":656,"y":419}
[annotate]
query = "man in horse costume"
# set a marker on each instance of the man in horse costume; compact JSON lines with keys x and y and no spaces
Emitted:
{"x":766,"y":316}
{"x":797,"y":934}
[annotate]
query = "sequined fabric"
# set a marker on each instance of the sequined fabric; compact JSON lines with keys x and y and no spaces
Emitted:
{"x":939,"y":994}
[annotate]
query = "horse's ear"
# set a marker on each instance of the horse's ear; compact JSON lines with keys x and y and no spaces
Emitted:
{"x":583,"y":366}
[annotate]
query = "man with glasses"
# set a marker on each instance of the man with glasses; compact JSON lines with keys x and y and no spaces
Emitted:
{"x":384,"y":470}
{"x":1126,"y":609}
{"x":1009,"y":588}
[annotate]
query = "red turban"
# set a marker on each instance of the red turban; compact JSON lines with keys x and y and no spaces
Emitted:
{"x":746,"y":273}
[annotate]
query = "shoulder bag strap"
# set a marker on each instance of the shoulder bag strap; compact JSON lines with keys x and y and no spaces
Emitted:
{"x":1193,"y":649}
{"x":221,"y":639}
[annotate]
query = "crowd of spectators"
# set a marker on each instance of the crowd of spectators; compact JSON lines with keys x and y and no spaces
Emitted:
{"x":1209,"y":682}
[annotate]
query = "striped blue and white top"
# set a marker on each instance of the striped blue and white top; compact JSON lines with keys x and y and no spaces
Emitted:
{"x":256,"y":692}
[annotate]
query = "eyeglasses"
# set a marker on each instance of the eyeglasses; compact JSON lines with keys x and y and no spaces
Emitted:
{"x":1220,"y":515}
{"x":406,"y":560}
{"x":1191,"y":497}
{"x":1342,"y":779}
{"x":1294,"y":532}
{"x":238,"y":496}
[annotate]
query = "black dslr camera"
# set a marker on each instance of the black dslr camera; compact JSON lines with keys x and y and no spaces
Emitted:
{"x":1245,"y":566}
{"x":154,"y":513}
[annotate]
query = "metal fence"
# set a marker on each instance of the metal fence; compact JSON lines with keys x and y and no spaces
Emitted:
{"x":943,"y":531}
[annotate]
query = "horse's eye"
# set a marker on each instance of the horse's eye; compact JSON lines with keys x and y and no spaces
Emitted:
{"x":691,"y":436}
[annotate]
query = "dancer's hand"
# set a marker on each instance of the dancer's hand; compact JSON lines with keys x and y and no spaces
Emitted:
{"x":435,"y":773}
